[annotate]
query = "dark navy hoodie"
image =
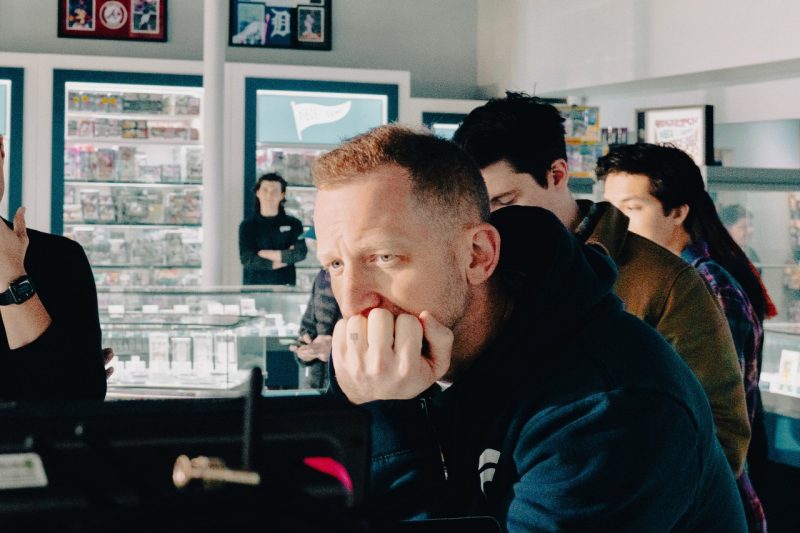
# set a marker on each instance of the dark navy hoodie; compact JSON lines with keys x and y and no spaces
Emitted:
{"x":578,"y":416}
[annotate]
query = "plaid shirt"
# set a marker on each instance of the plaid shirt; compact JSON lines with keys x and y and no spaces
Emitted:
{"x":748,"y":337}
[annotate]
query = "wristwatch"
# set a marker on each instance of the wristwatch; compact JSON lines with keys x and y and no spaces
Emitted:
{"x":20,"y":290}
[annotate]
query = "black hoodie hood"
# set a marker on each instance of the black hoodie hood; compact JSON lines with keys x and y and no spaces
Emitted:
{"x":544,"y":265}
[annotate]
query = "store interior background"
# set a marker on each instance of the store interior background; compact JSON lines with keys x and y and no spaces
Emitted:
{"x":448,"y":56}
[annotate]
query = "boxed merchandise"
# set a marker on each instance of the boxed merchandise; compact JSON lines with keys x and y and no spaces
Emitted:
{"x":171,"y":173}
{"x":85,"y":128}
{"x":87,"y":165}
{"x":106,"y":161}
{"x":126,"y":163}
{"x":134,"y":129}
{"x":186,"y":105}
{"x":114,"y":103}
{"x":149,"y":173}
{"x":183,"y":207}
{"x":107,"y":210}
{"x":107,"y":128}
{"x":90,"y":205}
{"x":72,"y":128}
{"x":194,"y":165}
{"x":74,"y":101}
{"x":73,"y":213}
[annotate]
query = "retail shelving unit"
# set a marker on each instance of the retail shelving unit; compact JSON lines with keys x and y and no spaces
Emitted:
{"x":129,"y":189}
{"x":291,"y":123}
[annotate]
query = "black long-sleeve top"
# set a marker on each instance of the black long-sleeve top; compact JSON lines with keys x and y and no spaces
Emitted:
{"x":280,"y":232}
{"x":66,"y":361}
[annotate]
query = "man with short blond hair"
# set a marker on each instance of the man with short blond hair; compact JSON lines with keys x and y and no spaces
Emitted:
{"x":503,"y":379}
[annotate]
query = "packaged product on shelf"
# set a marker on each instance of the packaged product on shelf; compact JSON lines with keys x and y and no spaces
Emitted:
{"x":151,"y":103}
{"x":194,"y":165}
{"x":134,"y":129}
{"x":86,"y":102}
{"x":107,"y":210}
{"x":114,"y":103}
{"x":73,"y":101}
{"x":181,"y":350}
{"x":132,"y":206}
{"x":87,"y":169}
{"x":183,"y":207}
{"x":146,"y":250}
{"x":186,"y":105}
{"x":581,"y":122}
{"x":171,"y":173}
{"x":89,"y":205}
{"x":203,"y":352}
{"x":85,"y":128}
{"x":107,"y":128}
{"x":106,"y":163}
{"x":173,"y":248}
{"x":149,"y":173}
{"x":126,"y":163}
{"x":118,"y":251}
{"x":158,"y":351}
{"x":72,"y":159}
{"x":73,"y":212}
{"x":72,"y":128}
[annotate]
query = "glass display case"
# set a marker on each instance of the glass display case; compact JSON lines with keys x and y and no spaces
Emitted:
{"x":198,"y":341}
{"x":780,"y":390}
{"x":132,"y":176}
{"x":761,"y":208}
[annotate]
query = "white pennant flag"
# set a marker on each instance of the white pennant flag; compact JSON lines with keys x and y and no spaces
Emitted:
{"x":306,"y":115}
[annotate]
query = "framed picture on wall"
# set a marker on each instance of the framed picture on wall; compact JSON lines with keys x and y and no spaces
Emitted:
{"x":689,"y":128}
{"x":127,"y":20}
{"x":290,"y":24}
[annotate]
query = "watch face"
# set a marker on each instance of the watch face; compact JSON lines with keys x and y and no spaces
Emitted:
{"x":22,"y":291}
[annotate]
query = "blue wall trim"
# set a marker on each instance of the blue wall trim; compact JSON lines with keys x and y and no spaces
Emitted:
{"x":16,"y":127}
{"x":60,"y":78}
{"x":252,"y":85}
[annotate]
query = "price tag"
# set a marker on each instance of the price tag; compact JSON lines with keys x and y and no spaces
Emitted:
{"x":215,"y":308}
{"x":116,"y":309}
{"x":150,"y":309}
{"x":181,"y":308}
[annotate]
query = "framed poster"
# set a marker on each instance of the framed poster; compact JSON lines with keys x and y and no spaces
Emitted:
{"x":689,"y":128}
{"x":297,"y":24}
{"x":128,"y":20}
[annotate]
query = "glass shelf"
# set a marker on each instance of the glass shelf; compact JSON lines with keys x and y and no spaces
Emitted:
{"x":117,"y":142}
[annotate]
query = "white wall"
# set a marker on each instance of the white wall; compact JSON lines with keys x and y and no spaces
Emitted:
{"x":556,"y":45}
{"x":434,"y":40}
{"x":767,"y":144}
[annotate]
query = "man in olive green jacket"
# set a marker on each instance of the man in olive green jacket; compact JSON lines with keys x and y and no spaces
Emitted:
{"x":519,"y":144}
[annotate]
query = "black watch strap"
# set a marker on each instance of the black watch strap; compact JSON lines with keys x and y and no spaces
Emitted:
{"x":20,"y":290}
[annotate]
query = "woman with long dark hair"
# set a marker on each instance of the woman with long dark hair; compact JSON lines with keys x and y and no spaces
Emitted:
{"x":662,"y":191}
{"x":270,"y":241}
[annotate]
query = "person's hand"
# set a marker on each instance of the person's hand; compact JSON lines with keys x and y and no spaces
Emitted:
{"x":108,"y":355}
{"x":13,"y":245}
{"x":319,"y":348}
{"x":274,"y":256}
{"x":2,"y":151}
{"x":380,"y":357}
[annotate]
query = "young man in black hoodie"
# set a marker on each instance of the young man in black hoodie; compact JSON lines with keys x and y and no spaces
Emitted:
{"x":503,"y":379}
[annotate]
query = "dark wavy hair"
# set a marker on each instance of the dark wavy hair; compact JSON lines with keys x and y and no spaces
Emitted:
{"x":675,"y":180}
{"x":272,"y":176}
{"x":520,"y":129}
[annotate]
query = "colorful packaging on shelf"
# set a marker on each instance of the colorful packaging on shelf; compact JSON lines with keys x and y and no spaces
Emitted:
{"x":194,"y":165}
{"x":90,"y":205}
{"x":126,"y":163}
{"x":107,"y":128}
{"x":171,"y":173}
{"x":106,"y":164}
